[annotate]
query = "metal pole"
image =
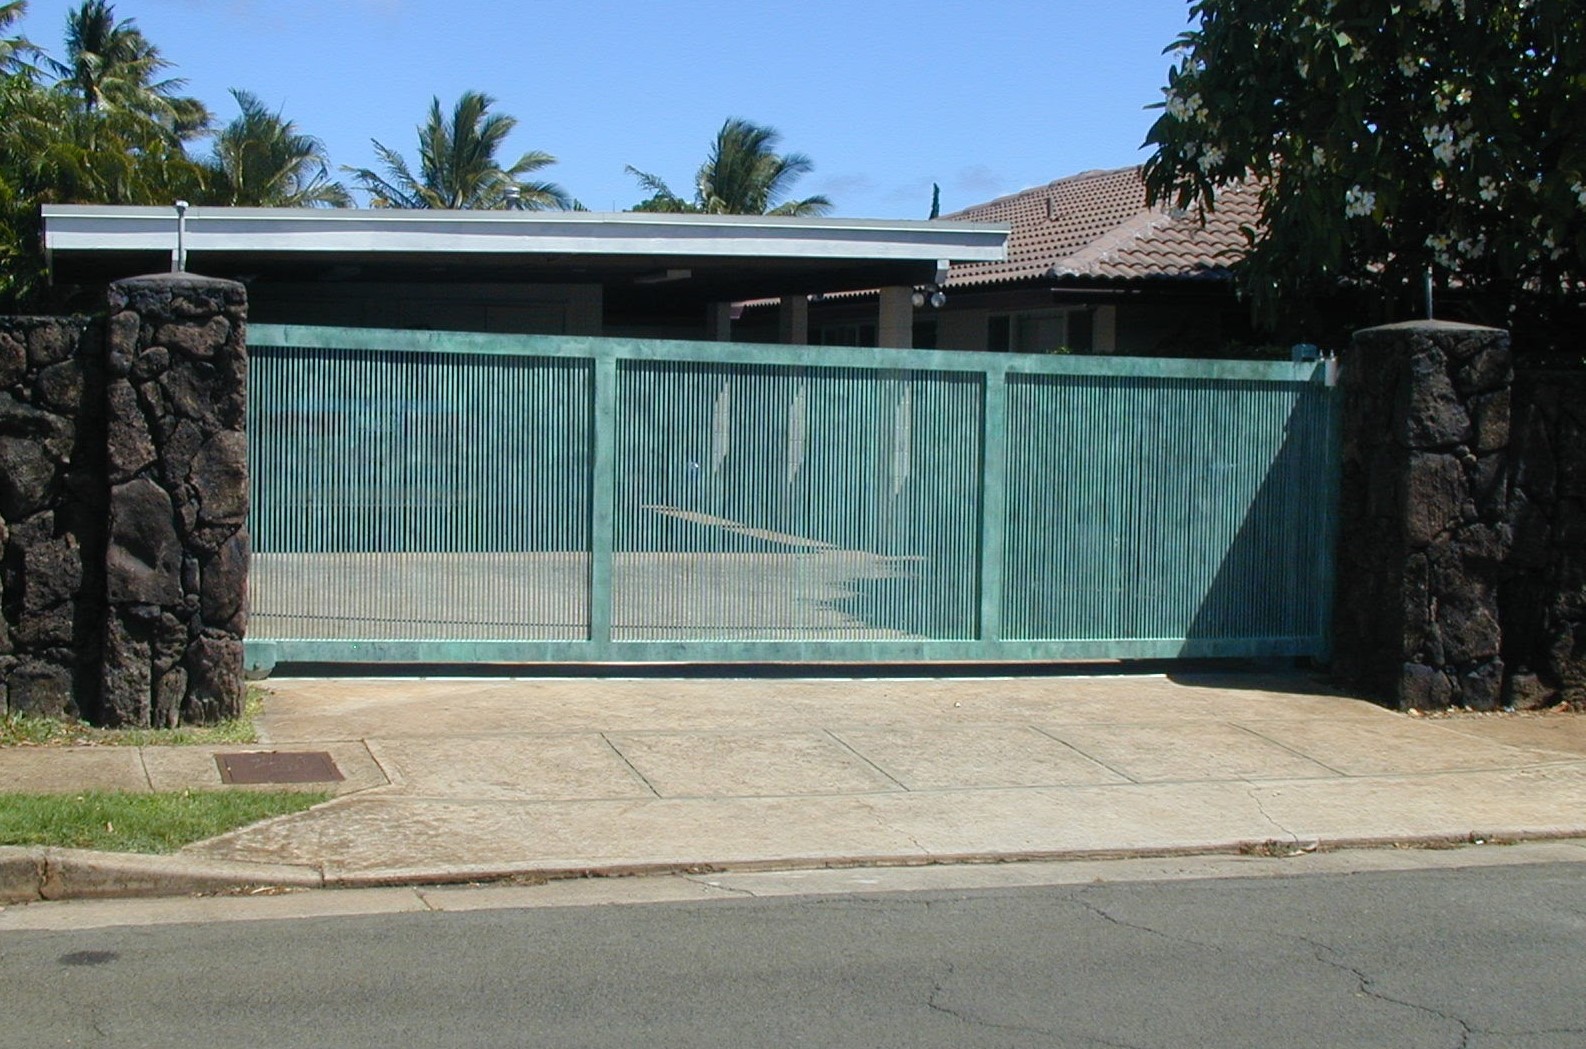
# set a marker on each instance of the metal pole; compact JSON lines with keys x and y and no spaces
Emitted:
{"x":1429,"y":293}
{"x":179,"y":263}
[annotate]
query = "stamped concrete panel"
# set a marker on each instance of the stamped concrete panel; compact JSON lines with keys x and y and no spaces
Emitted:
{"x":1398,"y":745}
{"x":179,"y":768}
{"x":1533,"y":802}
{"x":1186,"y":751}
{"x":1077,"y":820}
{"x":509,"y":769}
{"x":53,"y":770}
{"x":366,"y":836}
{"x":1562,"y":733}
{"x":721,"y":764}
{"x":320,"y":709}
{"x":974,"y":756}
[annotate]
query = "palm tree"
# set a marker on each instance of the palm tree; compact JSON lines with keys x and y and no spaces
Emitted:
{"x":112,"y":66}
{"x":15,"y":51}
{"x":261,"y":160}
{"x":458,"y":166}
{"x":743,"y":175}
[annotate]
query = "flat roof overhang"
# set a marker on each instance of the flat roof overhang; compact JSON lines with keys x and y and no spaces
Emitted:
{"x":726,"y":257}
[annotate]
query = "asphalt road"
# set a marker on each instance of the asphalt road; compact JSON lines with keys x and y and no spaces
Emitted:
{"x":1474,"y":958}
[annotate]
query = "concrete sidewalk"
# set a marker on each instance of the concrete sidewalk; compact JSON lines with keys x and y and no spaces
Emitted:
{"x":450,"y":780}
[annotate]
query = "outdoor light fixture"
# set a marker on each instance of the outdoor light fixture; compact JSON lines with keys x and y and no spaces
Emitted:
{"x":929,"y":293}
{"x":179,"y":260}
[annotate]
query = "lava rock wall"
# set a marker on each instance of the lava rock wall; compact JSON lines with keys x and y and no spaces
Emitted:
{"x":123,"y":506}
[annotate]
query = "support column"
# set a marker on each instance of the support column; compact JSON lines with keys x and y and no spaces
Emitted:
{"x":176,"y":559}
{"x":1104,"y":330}
{"x":1422,"y":531}
{"x":718,"y":322}
{"x":895,"y":325}
{"x":793,"y":321}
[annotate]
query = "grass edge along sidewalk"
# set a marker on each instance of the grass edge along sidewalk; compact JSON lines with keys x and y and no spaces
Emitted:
{"x":121,"y":821}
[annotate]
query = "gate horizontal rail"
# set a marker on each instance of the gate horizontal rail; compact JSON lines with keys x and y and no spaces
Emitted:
{"x":440,"y":497}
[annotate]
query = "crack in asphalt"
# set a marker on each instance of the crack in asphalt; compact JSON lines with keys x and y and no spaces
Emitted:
{"x":1365,"y":985}
{"x":1100,"y":912}
{"x":935,"y":1005}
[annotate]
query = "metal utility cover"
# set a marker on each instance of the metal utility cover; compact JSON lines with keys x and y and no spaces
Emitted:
{"x":273,"y":766}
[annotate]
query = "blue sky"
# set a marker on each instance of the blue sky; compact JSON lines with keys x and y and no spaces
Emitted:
{"x":886,"y":97}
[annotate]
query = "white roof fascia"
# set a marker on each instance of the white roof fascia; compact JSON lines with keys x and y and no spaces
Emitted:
{"x":90,"y":227}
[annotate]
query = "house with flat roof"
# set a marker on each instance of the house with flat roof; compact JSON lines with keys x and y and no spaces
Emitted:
{"x":524,"y":272}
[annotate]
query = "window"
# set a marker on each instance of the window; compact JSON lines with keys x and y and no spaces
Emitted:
{"x":843,"y":335}
{"x":1041,"y":331}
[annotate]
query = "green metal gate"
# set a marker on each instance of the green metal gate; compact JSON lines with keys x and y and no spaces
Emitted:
{"x":427,"y":497}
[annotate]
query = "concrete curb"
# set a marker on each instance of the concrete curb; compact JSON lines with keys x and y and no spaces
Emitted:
{"x":29,"y":875}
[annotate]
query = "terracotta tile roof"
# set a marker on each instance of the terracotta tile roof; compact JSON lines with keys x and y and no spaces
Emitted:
{"x":1097,"y":225}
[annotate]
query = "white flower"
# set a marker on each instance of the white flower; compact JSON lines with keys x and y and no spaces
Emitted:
{"x":1358,"y":202}
{"x":1441,"y":139}
{"x":1487,"y":189}
{"x":1213,"y":156}
{"x":1318,"y":156}
{"x":1431,"y":6}
{"x":1409,"y":66}
{"x":1579,"y":189}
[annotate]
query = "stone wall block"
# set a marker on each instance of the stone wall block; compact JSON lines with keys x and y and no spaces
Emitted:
{"x":220,"y":477}
{"x":51,"y":574}
{"x":50,"y":344}
{"x":215,"y":687}
{"x":41,"y":687}
{"x":127,"y":695}
{"x":223,"y":587}
{"x":1436,"y":418}
{"x":181,"y":447}
{"x":170,"y":692}
{"x":122,"y":340}
{"x":13,"y":358}
{"x":1489,"y":367}
{"x":150,"y":364}
{"x":1435,"y":490}
{"x":29,"y":478}
{"x":1423,"y":687}
{"x":195,"y":339}
{"x":128,"y":444}
{"x":60,"y":387}
{"x":143,"y":561}
{"x":1490,"y":422}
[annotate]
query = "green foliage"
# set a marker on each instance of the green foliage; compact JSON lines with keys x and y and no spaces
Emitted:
{"x":1388,"y":136}
{"x":742,"y":175}
{"x":260,"y":159}
{"x":105,"y":125}
{"x":122,"y":822}
{"x":458,"y":166}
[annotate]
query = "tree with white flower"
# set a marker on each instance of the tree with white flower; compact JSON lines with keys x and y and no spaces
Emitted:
{"x":1388,"y":136}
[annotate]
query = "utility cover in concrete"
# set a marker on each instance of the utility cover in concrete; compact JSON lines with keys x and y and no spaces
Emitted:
{"x":273,"y":766}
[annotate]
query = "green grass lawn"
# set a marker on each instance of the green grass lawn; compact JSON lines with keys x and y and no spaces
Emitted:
{"x":117,"y":821}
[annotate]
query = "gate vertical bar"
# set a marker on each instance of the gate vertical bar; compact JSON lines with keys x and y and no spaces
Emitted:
{"x":602,"y":497}
{"x":993,"y":500}
{"x":1332,"y":464}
